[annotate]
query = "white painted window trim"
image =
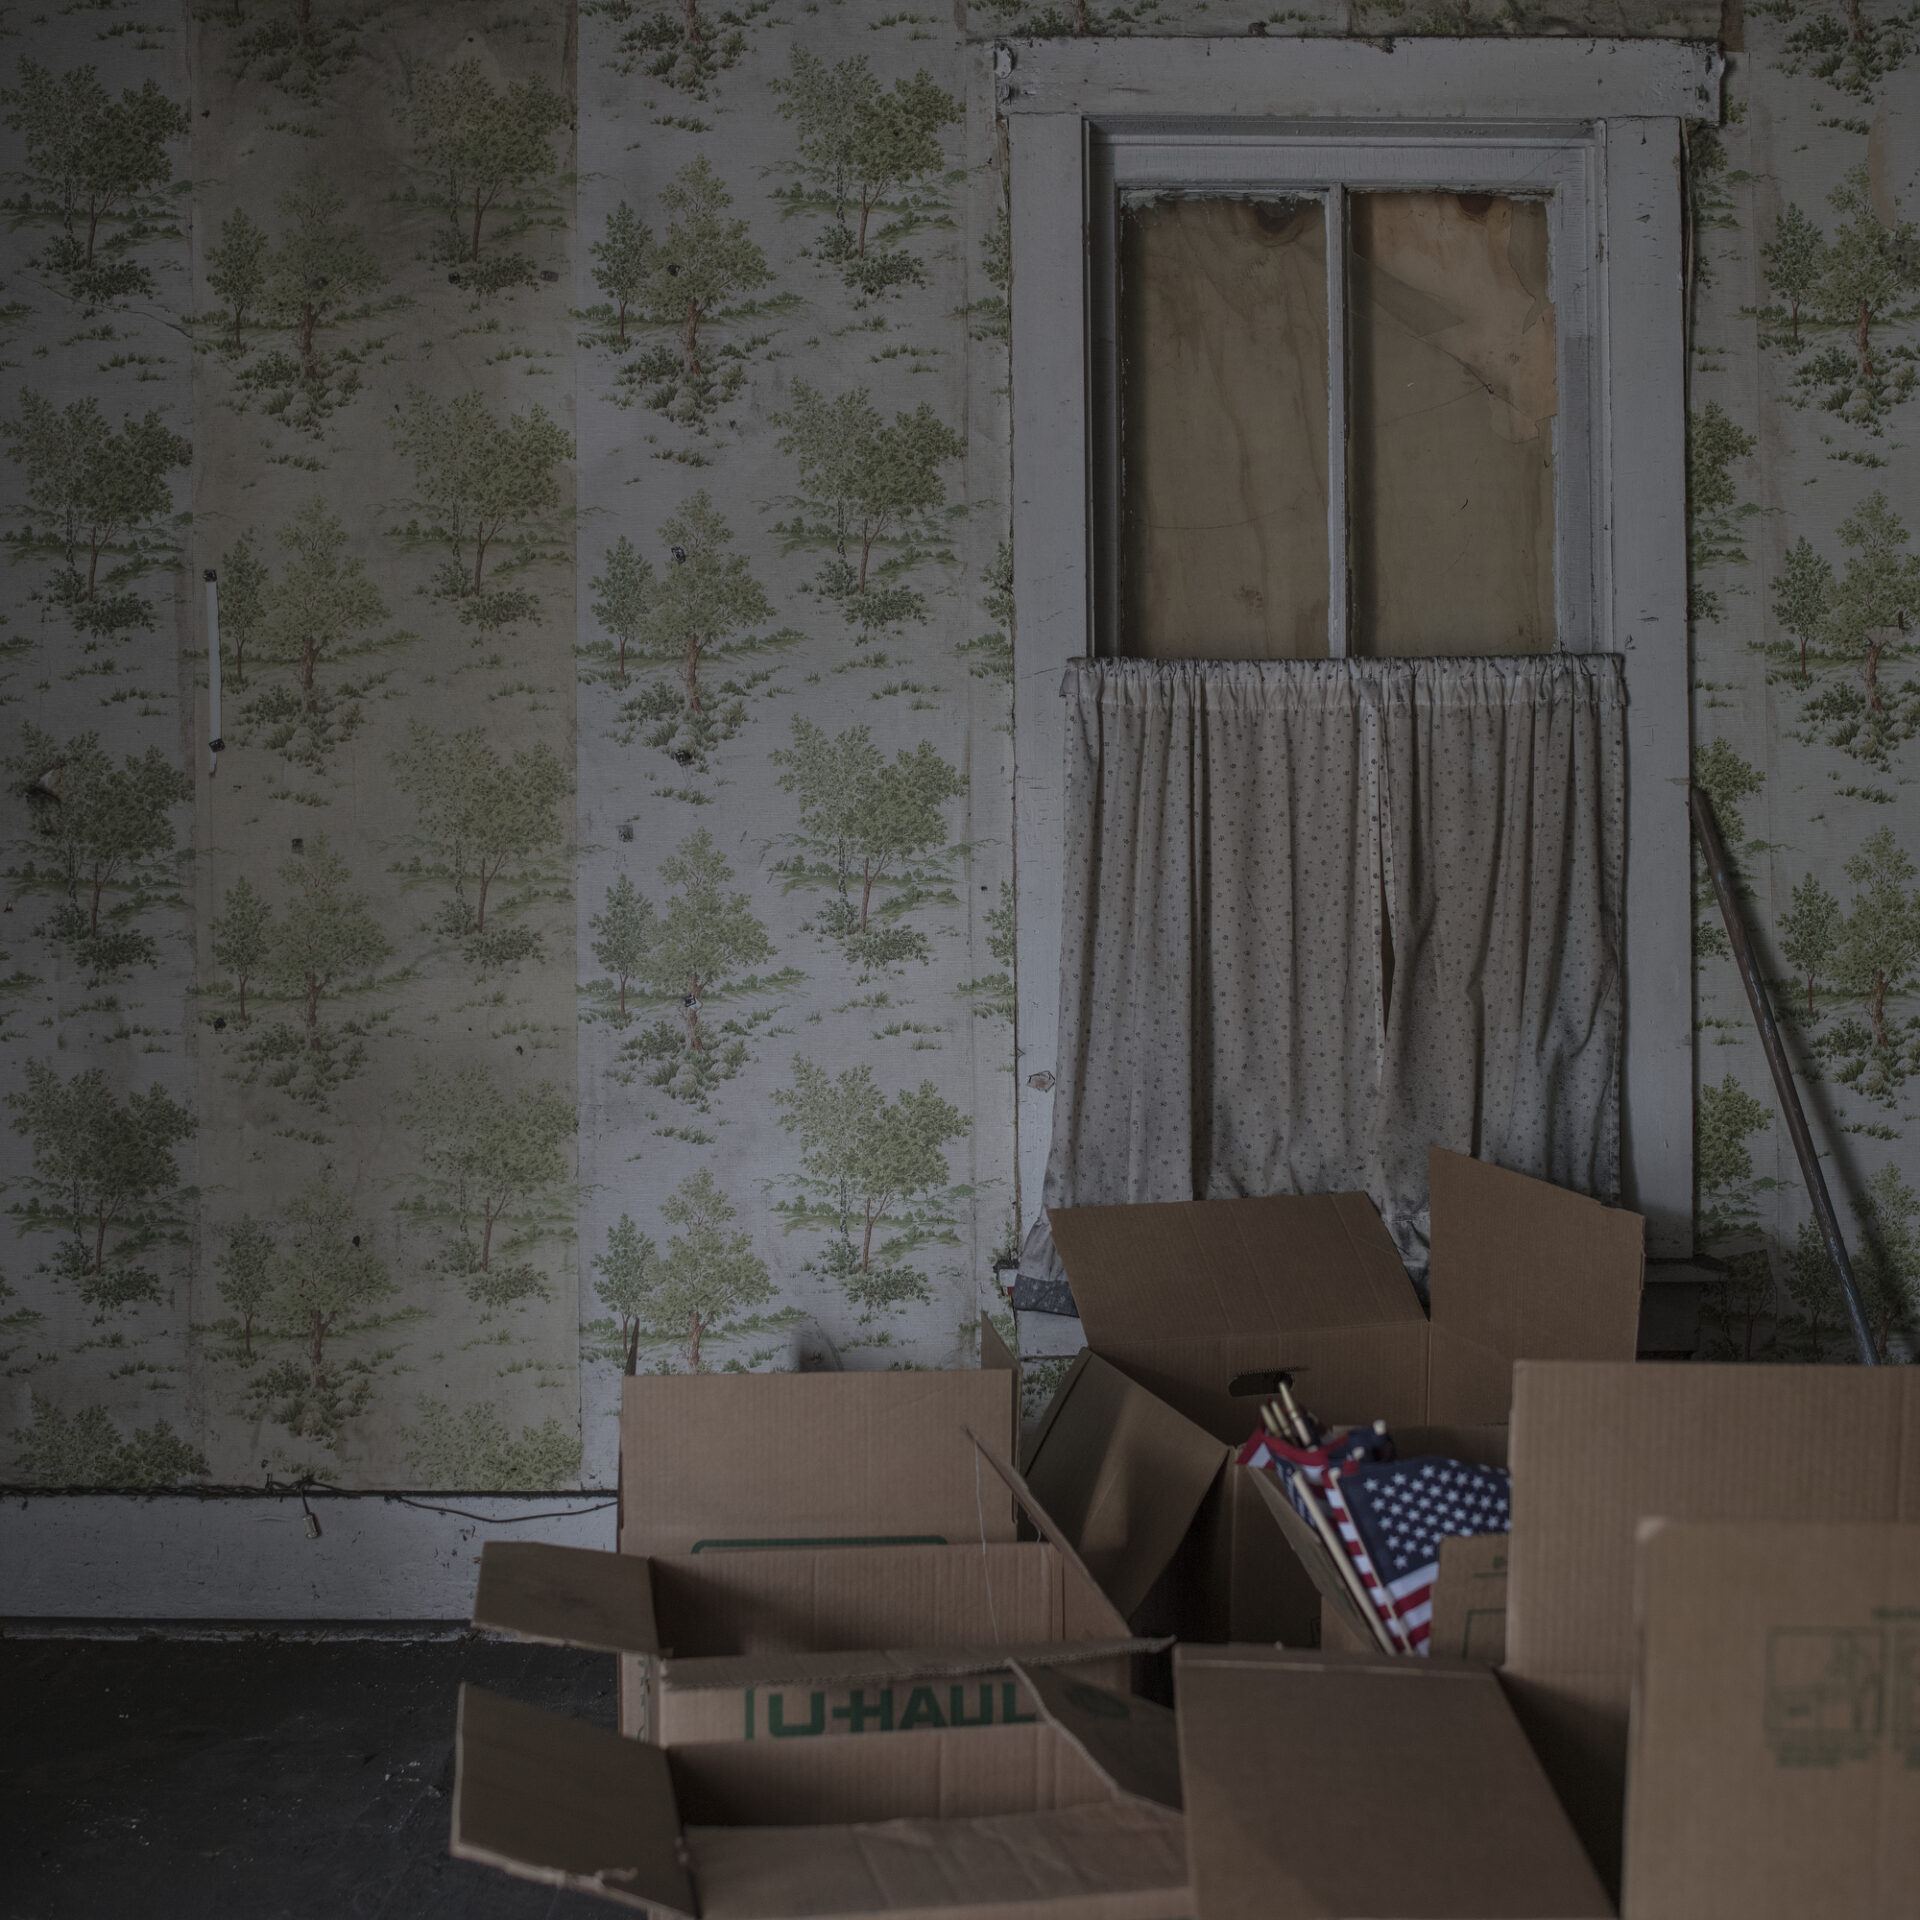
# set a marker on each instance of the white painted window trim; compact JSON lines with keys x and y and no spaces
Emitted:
{"x":1621,"y":102}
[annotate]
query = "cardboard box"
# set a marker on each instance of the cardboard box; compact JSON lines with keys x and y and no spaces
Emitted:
{"x":1327,"y":1786}
{"x":1469,"y":1605}
{"x":1775,"y":1768}
{"x":1192,"y":1310}
{"x":811,"y":1641}
{"x":812,"y":1461}
{"x":1073,"y":1817}
{"x":1597,"y":1449}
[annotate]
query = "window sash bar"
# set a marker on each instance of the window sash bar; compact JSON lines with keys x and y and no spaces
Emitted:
{"x":1338,"y":572}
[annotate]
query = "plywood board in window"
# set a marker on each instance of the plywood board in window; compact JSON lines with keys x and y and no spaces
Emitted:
{"x":1223,"y":339}
{"x":1453,"y":402}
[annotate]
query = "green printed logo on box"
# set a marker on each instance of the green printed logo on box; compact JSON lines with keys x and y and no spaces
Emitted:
{"x":1825,"y":1688}
{"x":786,"y":1713}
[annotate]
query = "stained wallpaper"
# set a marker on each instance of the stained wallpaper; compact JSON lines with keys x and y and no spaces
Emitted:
{"x":592,"y":944}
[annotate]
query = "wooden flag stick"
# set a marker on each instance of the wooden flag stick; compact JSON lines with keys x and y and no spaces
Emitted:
{"x":1349,"y":1573}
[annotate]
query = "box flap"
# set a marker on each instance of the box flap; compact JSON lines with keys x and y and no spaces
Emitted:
{"x":893,"y":1663}
{"x":1522,"y":1271}
{"x":552,"y":1799}
{"x":1087,"y":1603}
{"x":566,"y":1596}
{"x":1312,"y":1554}
{"x":1776,"y":1743}
{"x":1123,"y":1474}
{"x":1133,"y":1743}
{"x":1598,"y":1448}
{"x":1220,"y":1269}
{"x":1348,"y":1787}
{"x":783,"y":1459}
{"x":1120,"y":1860}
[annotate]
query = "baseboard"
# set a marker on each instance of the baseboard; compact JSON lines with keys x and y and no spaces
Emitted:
{"x":103,"y":1557}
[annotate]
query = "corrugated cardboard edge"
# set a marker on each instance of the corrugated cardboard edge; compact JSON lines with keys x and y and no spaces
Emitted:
{"x":566,"y":1596}
{"x":892,"y":1663}
{"x":1312,"y":1554}
{"x":1052,"y":1534}
{"x":1134,"y":1745}
{"x":552,"y":1799}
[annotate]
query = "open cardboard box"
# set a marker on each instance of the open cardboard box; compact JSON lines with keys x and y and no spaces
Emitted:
{"x":1324,"y":1786}
{"x":1596,"y":1450}
{"x":813,"y":1640}
{"x":1073,"y":1816}
{"x":1192,"y":1309}
{"x":1775,"y":1765}
{"x":812,"y":1461}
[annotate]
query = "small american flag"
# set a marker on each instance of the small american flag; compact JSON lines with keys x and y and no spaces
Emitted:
{"x":1393,"y":1514}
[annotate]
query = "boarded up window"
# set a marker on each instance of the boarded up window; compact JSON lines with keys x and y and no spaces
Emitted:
{"x":1452,"y":424}
{"x":1225,"y":397}
{"x":1223,"y":403}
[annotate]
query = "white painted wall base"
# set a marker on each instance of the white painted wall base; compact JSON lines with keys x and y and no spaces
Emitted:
{"x":121,"y":1557}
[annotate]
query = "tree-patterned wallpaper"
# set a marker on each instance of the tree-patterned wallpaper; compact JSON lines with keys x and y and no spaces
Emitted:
{"x":594,"y":943}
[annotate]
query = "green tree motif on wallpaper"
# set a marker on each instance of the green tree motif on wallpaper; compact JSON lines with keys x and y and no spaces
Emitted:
{"x":486,"y":155}
{"x":693,"y":951}
{"x":1727,"y":780}
{"x":1726,"y":1187}
{"x":472,"y":1450}
{"x":1886,"y":1267}
{"x":1714,"y":507}
{"x":991,"y":316}
{"x":1876,"y":958}
{"x":1851,"y":44}
{"x":1809,"y":933}
{"x":104,"y":1182}
{"x":866,"y":488}
{"x":17,"y":1326}
{"x":989,"y":656}
{"x":865,"y":150}
{"x":871,"y":1167}
{"x":1847,"y":633}
{"x":1835,"y":300}
{"x":310,"y":287}
{"x":241,"y":936}
{"x":320,"y":613}
{"x":237,"y":272}
{"x":495,"y":1172}
{"x":85,"y":1449}
{"x":698,"y":1295}
{"x":103,"y":844}
{"x":325,"y":944}
{"x":489,"y":824}
{"x":299,"y":47}
{"x":94,"y":495}
{"x":484,"y":484}
{"x":243,"y":606}
{"x":324,"y":1285}
{"x":991,"y":994}
{"x":674,"y":625}
{"x":688,"y":282}
{"x":98,"y":169}
{"x":678,"y":41}
{"x":1738,"y":1318}
{"x":873,"y":833}
{"x":245,"y":1266}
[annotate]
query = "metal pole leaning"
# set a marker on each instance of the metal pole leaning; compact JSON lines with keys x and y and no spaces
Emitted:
{"x":1707,"y":832}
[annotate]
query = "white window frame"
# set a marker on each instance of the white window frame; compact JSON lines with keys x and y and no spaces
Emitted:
{"x":1609,"y":113}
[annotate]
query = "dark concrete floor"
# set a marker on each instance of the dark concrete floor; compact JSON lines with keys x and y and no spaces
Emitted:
{"x":268,"y":1778}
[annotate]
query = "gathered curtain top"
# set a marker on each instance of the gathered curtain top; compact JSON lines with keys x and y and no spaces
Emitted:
{"x":1342,"y":686}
